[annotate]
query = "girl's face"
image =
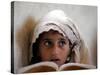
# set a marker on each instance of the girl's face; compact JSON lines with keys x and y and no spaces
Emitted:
{"x":54,"y":47}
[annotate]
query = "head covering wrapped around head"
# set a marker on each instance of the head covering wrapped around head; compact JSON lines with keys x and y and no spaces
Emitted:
{"x":57,"y":20}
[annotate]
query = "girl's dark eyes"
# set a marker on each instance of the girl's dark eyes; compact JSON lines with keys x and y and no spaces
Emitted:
{"x":48,"y":43}
{"x":62,"y":43}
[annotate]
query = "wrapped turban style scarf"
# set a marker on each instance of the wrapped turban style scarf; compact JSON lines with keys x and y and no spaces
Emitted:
{"x":57,"y":20}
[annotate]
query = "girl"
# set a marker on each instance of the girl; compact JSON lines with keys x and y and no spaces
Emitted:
{"x":56,"y":39}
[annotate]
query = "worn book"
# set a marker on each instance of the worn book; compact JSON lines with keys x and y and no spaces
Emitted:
{"x":51,"y":66}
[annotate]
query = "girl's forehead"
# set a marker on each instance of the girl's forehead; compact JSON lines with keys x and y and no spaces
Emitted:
{"x":51,"y":32}
{"x":54,"y":35}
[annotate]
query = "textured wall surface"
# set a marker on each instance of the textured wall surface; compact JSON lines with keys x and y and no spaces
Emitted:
{"x":85,"y":17}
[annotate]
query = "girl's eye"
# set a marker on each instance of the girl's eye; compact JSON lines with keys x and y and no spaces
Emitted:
{"x":48,"y":43}
{"x":62,"y":43}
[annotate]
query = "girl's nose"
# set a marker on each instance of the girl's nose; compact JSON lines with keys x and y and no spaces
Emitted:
{"x":55,"y":50}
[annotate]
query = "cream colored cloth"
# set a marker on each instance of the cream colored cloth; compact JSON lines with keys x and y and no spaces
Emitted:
{"x":57,"y":20}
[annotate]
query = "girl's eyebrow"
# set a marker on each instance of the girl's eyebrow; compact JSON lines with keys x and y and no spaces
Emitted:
{"x":46,"y":39}
{"x":63,"y":39}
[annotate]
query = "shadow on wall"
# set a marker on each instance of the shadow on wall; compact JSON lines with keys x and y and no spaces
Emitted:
{"x":23,"y":39}
{"x":94,"y":51}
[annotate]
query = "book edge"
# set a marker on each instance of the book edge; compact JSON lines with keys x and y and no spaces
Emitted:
{"x":50,"y":64}
{"x":88,"y":66}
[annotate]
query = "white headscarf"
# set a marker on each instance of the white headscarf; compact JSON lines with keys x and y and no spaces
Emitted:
{"x":57,"y":20}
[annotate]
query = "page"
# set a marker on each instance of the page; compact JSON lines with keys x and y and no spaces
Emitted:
{"x":76,"y":66}
{"x":39,"y":67}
